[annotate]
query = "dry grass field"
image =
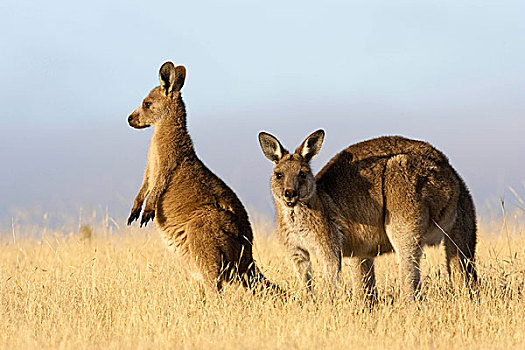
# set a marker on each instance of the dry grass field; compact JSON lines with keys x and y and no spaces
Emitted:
{"x":123,"y":289}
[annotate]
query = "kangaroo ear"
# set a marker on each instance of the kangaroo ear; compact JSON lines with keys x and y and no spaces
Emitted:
{"x":312,"y":145}
{"x":171,"y":77}
{"x":271,"y":147}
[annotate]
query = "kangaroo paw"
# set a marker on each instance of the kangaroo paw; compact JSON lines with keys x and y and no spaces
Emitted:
{"x":147,"y":215}
{"x":135,"y":214}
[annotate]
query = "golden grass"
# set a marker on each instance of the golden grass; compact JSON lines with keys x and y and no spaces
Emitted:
{"x":125,"y":290}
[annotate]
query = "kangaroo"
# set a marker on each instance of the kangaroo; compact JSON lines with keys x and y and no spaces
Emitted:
{"x":382,"y":195}
{"x":200,"y":217}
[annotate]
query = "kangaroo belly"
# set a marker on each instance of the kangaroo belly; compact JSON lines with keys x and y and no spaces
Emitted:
{"x":176,"y":238}
{"x":366,"y":241}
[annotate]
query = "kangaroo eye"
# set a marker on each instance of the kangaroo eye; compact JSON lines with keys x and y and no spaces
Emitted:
{"x":147,"y":104}
{"x":302,"y":175}
{"x":278,"y":175}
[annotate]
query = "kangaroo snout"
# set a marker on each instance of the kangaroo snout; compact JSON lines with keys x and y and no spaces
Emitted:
{"x":290,"y":193}
{"x":290,"y":196}
{"x":134,"y":122}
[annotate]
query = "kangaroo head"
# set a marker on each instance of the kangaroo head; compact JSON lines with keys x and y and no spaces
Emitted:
{"x":292,"y":180}
{"x":161,"y":100}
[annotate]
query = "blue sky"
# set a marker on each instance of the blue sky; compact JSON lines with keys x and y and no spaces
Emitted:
{"x":449,"y":72}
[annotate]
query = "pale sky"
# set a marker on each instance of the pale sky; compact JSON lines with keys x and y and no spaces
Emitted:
{"x":448,"y":72}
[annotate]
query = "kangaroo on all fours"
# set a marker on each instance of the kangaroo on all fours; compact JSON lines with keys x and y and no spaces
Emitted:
{"x":199,"y":216}
{"x":381,"y":195}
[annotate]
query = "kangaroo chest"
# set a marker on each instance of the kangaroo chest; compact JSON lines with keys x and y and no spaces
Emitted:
{"x":153,"y":163}
{"x":301,"y":226}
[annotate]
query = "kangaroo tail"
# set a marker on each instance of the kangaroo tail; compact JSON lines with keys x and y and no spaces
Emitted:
{"x":257,"y":282}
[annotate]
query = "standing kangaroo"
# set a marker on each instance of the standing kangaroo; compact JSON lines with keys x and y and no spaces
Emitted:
{"x":199,"y":216}
{"x":377,"y":196}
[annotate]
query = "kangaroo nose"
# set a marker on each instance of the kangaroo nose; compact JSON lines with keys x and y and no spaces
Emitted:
{"x":130,"y":118}
{"x":290,"y":194}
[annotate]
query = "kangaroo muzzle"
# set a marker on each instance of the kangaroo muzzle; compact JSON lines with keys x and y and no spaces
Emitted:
{"x":133,"y":121}
{"x":290,"y":197}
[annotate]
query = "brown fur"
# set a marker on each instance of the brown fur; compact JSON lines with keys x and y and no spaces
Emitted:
{"x":199,"y":216}
{"x":381,"y":195}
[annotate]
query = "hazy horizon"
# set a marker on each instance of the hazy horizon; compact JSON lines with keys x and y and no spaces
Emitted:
{"x":448,"y":72}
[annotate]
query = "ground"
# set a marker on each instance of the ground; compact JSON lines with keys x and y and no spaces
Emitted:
{"x":124,"y":289}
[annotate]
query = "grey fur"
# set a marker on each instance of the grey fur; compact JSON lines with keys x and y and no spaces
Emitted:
{"x":381,"y":195}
